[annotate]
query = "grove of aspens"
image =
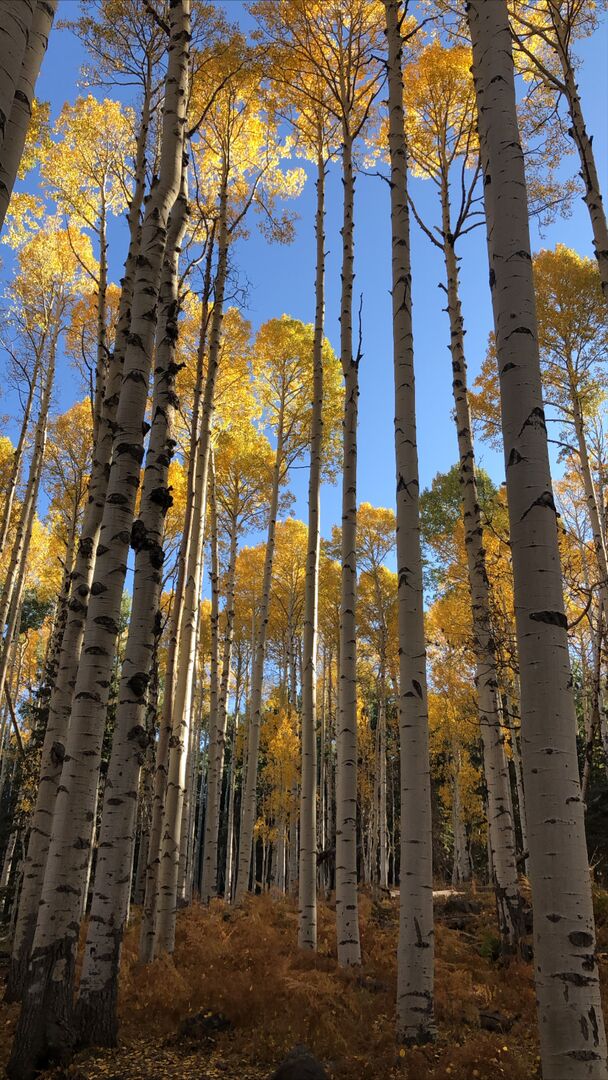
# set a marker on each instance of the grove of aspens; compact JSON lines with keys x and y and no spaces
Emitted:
{"x":303,"y":539}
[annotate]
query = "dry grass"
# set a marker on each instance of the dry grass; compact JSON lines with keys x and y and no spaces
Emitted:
{"x":245,"y":964}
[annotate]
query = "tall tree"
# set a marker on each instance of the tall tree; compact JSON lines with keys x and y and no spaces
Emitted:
{"x":443,"y":147}
{"x":46,"y":1015}
{"x":544,"y":32}
{"x":572,"y":1034}
{"x":415,"y":998}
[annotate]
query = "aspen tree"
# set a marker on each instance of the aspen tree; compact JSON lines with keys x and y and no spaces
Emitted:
{"x":146,"y":940}
{"x":46,"y":1016}
{"x":245,"y":152}
{"x":572,"y":1035}
{"x":543,"y":33}
{"x":81,"y":579}
{"x":415,"y":1009}
{"x":243,"y":475}
{"x":283,"y":379}
{"x":441,"y":105}
{"x":97,"y":996}
{"x":338,"y":44}
{"x":16,"y":21}
{"x":18,"y":121}
{"x":15,"y":469}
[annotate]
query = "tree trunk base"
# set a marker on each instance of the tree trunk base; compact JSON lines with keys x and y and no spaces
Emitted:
{"x":97,"y":1019}
{"x":45,"y":1033}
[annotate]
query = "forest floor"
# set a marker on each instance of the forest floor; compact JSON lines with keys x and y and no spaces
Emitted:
{"x":244,"y":964}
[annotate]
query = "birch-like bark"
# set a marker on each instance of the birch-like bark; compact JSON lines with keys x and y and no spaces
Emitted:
{"x":15,"y":131}
{"x":15,"y":578}
{"x":46,"y":1019}
{"x":496,"y":769}
{"x":249,"y":787}
{"x":382,"y":849}
{"x":13,"y":480}
{"x":415,"y":1008}
{"x":307,"y":929}
{"x":217,"y":733}
{"x":164,"y":931}
{"x":230,"y":837}
{"x":215,"y":758}
{"x":81,"y":579}
{"x":572,"y":1038}
{"x":148,"y":918}
{"x":347,"y":908}
{"x":98,"y":990}
{"x":593,"y":511}
{"x":584,"y":145}
{"x":16,"y":18}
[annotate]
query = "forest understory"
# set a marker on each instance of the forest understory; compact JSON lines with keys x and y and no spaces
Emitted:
{"x":236,"y":969}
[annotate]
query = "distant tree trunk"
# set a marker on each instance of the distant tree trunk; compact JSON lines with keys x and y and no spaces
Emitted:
{"x":98,"y":990}
{"x":415,"y":1002}
{"x":47,"y":1012}
{"x":593,"y":510}
{"x":249,"y":789}
{"x":13,"y":480}
{"x":81,"y":578}
{"x":217,"y":746}
{"x":347,"y":909}
{"x":307,"y":931}
{"x":15,"y":577}
{"x":181,"y":704}
{"x":578,"y":132}
{"x":572,"y":1037}
{"x":216,"y":738}
{"x":18,"y":122}
{"x":496,"y":769}
{"x":148,"y":917}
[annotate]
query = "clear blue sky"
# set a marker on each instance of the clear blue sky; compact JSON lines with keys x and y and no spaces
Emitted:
{"x":282,"y":281}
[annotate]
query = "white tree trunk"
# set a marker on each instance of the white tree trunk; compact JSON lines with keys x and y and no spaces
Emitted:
{"x":307,"y":928}
{"x":347,"y":907}
{"x":249,"y":787}
{"x":501,"y":826}
{"x":415,"y":1008}
{"x":98,"y":990}
{"x":81,"y":579}
{"x":47,"y":1012}
{"x":572,"y":1038}
{"x":16,"y":17}
{"x":16,"y":128}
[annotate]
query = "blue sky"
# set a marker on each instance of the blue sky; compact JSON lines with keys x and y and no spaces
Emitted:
{"x":281,"y":280}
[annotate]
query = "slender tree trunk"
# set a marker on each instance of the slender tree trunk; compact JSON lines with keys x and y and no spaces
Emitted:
{"x":230,"y":837}
{"x":584,"y":145}
{"x":98,"y":991}
{"x":81,"y":579}
{"x":217,"y":735}
{"x":16,"y":127}
{"x":382,"y":852}
{"x":573,"y":1043}
{"x":169,"y":850}
{"x":215,"y":756}
{"x":13,"y":479}
{"x":307,"y":931}
{"x":15,"y":579}
{"x":249,"y":788}
{"x":46,"y":1018}
{"x":148,"y":919}
{"x":496,"y":769}
{"x":599,"y":539}
{"x":415,"y":1008}
{"x":347,"y":908}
